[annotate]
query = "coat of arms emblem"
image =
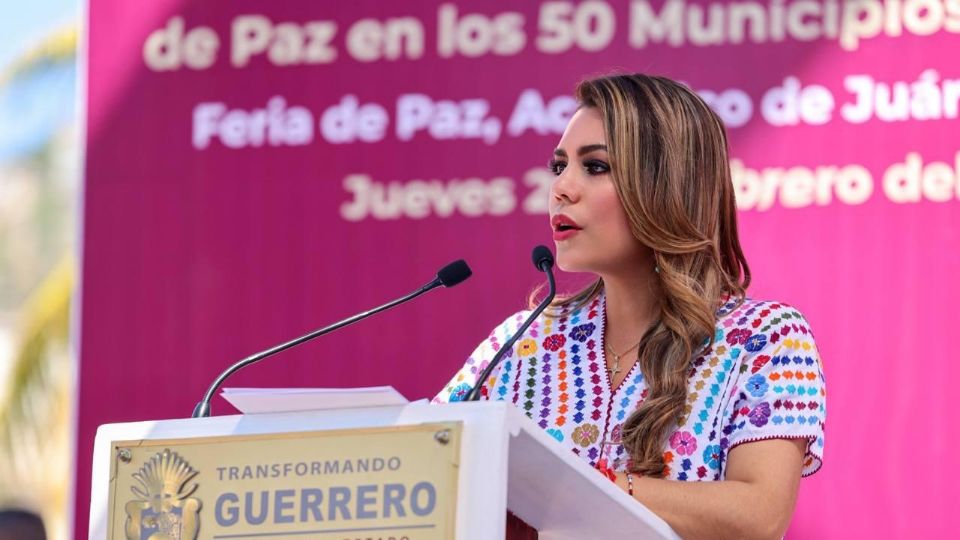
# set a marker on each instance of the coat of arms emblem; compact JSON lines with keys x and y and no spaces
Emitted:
{"x":164,"y":508}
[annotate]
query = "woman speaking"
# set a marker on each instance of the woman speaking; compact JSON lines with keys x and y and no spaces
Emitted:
{"x":704,"y":404}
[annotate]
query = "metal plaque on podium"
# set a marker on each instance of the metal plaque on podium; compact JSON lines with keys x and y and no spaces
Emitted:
{"x":386,"y":482}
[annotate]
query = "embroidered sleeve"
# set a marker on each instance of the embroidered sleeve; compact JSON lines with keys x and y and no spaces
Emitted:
{"x":461,"y":383}
{"x":780,"y":391}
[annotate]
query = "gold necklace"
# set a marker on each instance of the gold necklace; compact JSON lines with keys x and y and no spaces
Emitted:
{"x":616,"y":359}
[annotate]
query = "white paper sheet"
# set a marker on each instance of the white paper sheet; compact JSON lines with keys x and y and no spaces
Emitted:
{"x":271,"y":400}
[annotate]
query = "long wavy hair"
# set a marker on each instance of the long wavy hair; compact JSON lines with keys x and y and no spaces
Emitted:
{"x":668,"y":153}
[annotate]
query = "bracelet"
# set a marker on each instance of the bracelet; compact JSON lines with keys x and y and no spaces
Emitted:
{"x":629,"y":483}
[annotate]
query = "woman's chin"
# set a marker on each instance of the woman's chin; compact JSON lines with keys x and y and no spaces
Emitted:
{"x":567,"y":263}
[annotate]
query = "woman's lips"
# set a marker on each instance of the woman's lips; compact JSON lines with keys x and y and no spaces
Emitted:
{"x":564,"y":227}
{"x":563,"y":220}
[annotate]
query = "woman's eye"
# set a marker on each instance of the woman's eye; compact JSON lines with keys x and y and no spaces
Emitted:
{"x":556,"y":167}
{"x":596,"y":167}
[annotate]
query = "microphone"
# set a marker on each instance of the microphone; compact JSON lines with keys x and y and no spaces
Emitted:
{"x":543,"y":260}
{"x":448,"y":276}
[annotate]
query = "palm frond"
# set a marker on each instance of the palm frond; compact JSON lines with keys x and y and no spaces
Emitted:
{"x":60,"y":46}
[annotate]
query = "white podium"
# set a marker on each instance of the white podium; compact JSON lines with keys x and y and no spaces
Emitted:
{"x":506,"y":462}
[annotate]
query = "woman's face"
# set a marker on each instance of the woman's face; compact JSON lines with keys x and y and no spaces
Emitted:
{"x":590,"y":227}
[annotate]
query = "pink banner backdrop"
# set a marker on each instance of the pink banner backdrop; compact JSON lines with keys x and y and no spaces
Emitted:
{"x":255,"y":170}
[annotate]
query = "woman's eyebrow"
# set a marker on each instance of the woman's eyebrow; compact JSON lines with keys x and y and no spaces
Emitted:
{"x":590,"y":148}
{"x":560,"y":152}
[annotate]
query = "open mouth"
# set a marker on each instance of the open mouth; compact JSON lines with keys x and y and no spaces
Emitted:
{"x":563,"y":223}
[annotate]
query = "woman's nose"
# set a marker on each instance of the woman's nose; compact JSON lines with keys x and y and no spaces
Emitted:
{"x":564,"y":188}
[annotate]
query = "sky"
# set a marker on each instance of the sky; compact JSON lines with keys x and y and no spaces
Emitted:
{"x":23,"y":24}
{"x":33,"y":106}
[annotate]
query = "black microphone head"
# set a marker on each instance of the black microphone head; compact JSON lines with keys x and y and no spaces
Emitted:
{"x":454,"y":273}
{"x":542,"y":258}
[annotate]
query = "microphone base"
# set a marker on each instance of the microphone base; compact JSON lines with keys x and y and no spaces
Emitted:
{"x":202,"y":410}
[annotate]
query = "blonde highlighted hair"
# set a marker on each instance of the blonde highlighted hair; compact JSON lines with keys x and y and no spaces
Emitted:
{"x":668,"y":154}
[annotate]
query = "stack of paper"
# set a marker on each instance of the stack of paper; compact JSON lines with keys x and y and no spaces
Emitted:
{"x":271,"y":400}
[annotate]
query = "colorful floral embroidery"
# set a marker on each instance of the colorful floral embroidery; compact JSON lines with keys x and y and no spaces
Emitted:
{"x":460,"y":392}
{"x":527,"y":347}
{"x":683,"y":442}
{"x":760,"y":414}
{"x":582,"y":332}
{"x":757,"y":386}
{"x":759,"y":378}
{"x":586,"y":434}
{"x":554,"y":342}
